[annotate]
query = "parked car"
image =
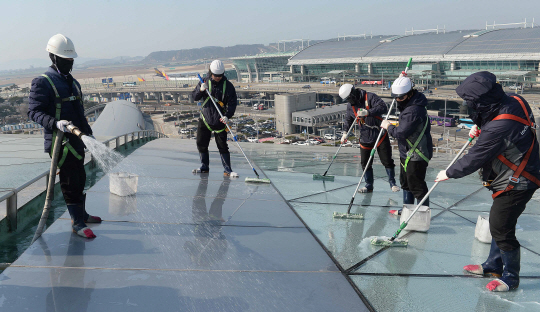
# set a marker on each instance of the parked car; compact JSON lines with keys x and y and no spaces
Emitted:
{"x":313,"y":141}
{"x":306,"y":87}
{"x":384,"y":88}
{"x":252,"y":140}
{"x":330,"y":137}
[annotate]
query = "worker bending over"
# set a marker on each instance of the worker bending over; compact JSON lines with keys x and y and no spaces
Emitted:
{"x":507,"y":152}
{"x":367,"y":109}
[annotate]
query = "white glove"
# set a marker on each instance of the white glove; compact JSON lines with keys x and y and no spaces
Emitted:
{"x":363,"y":112}
{"x":224,"y":119}
{"x":475,"y":132}
{"x":344,"y":138}
{"x":204,"y":86}
{"x":441,"y":176}
{"x":385,"y":124}
{"x":62,"y":124}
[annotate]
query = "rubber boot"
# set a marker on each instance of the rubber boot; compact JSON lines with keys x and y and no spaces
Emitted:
{"x":227,"y":170}
{"x":88,"y":218}
{"x":493,"y":266}
{"x":77,"y":216}
{"x":205,"y":163}
{"x":510,"y":275}
{"x":368,"y":178}
{"x":392,"y":179}
{"x":408,"y":199}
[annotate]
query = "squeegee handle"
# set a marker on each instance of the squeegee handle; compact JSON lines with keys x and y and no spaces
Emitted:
{"x":408,"y":65}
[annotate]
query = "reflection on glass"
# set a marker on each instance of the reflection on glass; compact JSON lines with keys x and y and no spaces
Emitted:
{"x":209,"y":244}
{"x":68,"y":289}
{"x":122,"y":205}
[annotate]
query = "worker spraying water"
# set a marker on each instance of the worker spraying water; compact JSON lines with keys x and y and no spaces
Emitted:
{"x":55,"y":102}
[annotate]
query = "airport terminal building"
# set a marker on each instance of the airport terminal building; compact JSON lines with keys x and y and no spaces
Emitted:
{"x":439,"y":58}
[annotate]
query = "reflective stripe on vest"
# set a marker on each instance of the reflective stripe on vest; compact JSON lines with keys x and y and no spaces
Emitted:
{"x":208,"y":98}
{"x":58,"y":104}
{"x":414,"y":146}
{"x":518,"y":170}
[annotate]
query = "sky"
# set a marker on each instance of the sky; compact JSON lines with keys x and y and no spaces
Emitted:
{"x":106,"y":29}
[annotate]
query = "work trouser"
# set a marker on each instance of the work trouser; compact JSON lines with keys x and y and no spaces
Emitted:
{"x":203,"y":139}
{"x":73,"y":179}
{"x":414,"y":180}
{"x":384,"y":150}
{"x":506,"y":209}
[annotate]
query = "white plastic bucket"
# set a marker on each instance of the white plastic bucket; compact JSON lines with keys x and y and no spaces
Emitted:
{"x":481,"y":232}
{"x":421,"y":220}
{"x":123,"y":183}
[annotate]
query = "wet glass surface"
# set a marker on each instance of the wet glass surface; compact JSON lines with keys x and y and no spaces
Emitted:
{"x":182,"y":242}
{"x":427,"y":275}
{"x":98,"y":290}
{"x":213,"y":243}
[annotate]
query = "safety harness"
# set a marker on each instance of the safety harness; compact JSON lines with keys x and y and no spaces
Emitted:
{"x":414,"y":147}
{"x":362,"y":122}
{"x":58,"y":104}
{"x":220,"y":104}
{"x":519,"y":170}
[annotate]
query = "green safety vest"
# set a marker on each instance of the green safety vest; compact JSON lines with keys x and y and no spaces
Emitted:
{"x":58,"y":104}
{"x":414,"y":147}
{"x":208,"y":98}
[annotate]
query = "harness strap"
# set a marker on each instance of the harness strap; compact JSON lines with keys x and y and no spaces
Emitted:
{"x":518,"y":170}
{"x":208,"y":98}
{"x":58,"y":105}
{"x":379,"y":144}
{"x":414,"y":147}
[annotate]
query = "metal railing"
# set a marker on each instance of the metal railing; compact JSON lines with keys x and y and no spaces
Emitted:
{"x":11,"y":196}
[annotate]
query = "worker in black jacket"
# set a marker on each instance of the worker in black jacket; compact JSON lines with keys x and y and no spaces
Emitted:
{"x":367,"y":109}
{"x":55,"y":102}
{"x":507,"y":152}
{"x":413,"y":134}
{"x":224,"y":94}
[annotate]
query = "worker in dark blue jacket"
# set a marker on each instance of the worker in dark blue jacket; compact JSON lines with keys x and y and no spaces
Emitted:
{"x":507,"y":152}
{"x":413,"y":134}
{"x":224,"y":94}
{"x":55,"y":101}
{"x":367,"y":109}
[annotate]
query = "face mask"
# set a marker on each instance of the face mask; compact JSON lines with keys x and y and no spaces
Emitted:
{"x":64,"y":66}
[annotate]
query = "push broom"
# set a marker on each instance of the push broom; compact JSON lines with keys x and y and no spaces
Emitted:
{"x":349,"y":215}
{"x":392,"y":242}
{"x":235,"y":138}
{"x":325,"y":177}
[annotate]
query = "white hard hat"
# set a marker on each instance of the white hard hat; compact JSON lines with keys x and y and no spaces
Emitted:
{"x":62,"y":46}
{"x":345,"y":91}
{"x":401,"y":86}
{"x":217,"y":67}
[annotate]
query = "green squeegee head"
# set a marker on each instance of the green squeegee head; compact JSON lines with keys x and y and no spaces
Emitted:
{"x":386,"y":242}
{"x":323,"y":177}
{"x":255,"y":180}
{"x":340,"y":215}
